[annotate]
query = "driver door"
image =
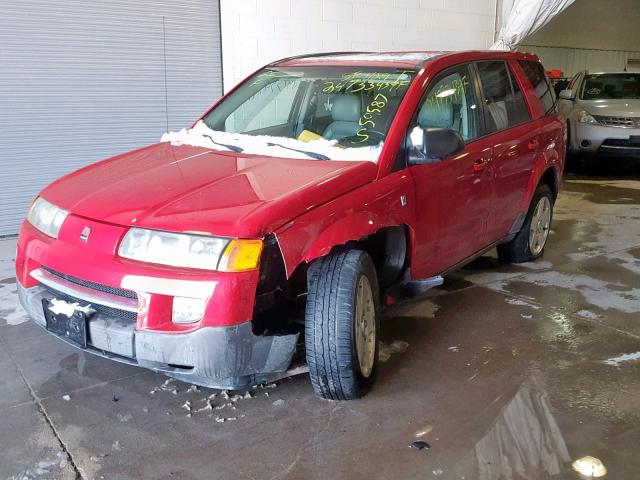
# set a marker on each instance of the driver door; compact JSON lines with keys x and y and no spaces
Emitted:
{"x":453,"y":195}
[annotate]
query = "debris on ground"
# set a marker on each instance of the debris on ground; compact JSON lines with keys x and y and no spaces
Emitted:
{"x":207,"y":406}
{"x":419,"y":445}
{"x":385,"y":350}
{"x":627,"y":357}
{"x":278,"y":403}
{"x":66,"y":398}
{"x":124,"y":418}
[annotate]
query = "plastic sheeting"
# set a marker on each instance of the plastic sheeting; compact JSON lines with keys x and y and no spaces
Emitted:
{"x":521,"y":18}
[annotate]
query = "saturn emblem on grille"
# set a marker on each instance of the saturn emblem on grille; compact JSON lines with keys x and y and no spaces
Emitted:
{"x":84,"y":235}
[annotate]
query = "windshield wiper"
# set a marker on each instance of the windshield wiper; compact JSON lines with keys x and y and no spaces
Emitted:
{"x":233,"y":148}
{"x":317,"y":156}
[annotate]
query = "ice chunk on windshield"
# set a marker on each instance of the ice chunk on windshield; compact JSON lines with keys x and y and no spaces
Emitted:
{"x":203,"y":136}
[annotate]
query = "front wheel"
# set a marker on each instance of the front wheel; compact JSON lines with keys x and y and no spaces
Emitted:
{"x":529,"y":243}
{"x":342,"y":325}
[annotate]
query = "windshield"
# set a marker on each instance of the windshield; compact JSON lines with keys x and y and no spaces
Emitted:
{"x":605,"y":86}
{"x":313,"y":112}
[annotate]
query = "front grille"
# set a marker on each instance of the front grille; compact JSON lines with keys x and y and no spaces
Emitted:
{"x":120,"y":292}
{"x":622,"y":122}
{"x":129,"y":317}
{"x":125,"y":315}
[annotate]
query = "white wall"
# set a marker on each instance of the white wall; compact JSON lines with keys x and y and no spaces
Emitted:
{"x":573,"y":60}
{"x":256,"y":32}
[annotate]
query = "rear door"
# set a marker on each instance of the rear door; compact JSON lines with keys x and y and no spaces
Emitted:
{"x":453,"y":196}
{"x":513,"y":141}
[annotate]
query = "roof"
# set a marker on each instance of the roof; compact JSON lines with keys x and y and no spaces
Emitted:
{"x":410,"y":59}
{"x":401,"y":59}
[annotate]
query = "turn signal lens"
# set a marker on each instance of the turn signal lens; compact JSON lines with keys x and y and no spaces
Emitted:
{"x":241,"y":255}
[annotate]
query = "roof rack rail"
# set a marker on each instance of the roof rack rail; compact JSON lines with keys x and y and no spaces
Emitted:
{"x":313,"y":55}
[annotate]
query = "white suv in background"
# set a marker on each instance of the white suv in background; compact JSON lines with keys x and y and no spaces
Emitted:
{"x":603,"y":114}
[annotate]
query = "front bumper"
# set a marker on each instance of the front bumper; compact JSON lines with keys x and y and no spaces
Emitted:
{"x":604,"y":141}
{"x":218,"y":357}
{"x":133,"y":303}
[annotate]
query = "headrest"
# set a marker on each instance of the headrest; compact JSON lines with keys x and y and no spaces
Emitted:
{"x":436,"y":116}
{"x":346,"y":108}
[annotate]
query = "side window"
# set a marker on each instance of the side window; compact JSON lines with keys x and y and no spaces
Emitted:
{"x":535,"y":73}
{"x":505,"y":104}
{"x":573,"y":84}
{"x":450,"y":102}
{"x":268,"y":107}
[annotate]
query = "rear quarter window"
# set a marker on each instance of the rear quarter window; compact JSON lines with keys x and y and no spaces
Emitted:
{"x":535,"y":73}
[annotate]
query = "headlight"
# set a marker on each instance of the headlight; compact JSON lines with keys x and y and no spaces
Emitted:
{"x":46,"y":217}
{"x":586,"y":117}
{"x":190,"y":251}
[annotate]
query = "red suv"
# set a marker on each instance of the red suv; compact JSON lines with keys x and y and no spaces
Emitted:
{"x":319,"y":186}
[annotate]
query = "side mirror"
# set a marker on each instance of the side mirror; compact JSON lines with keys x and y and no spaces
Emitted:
{"x":566,"y":94}
{"x":431,"y":145}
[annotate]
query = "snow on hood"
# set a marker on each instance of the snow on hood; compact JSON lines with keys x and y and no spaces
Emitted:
{"x":203,"y":136}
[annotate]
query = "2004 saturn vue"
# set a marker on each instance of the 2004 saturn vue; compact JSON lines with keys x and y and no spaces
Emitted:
{"x":280,"y":221}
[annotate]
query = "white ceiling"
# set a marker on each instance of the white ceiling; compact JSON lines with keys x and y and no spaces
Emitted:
{"x":599,"y":24}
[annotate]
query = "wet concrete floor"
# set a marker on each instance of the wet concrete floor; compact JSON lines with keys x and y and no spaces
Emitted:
{"x":506,"y":372}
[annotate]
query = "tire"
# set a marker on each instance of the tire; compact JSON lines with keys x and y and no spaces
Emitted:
{"x":341,"y":366}
{"x":520,"y":249}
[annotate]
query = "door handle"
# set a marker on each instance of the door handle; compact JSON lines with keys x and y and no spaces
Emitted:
{"x":533,"y":145}
{"x":480,"y":164}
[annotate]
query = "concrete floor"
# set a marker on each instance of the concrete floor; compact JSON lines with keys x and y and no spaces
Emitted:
{"x":509,"y":372}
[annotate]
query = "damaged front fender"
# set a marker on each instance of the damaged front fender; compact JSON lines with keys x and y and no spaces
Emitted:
{"x":351,"y":217}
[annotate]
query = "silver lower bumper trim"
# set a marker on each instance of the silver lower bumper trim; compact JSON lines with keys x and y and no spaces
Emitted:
{"x":87,"y":294}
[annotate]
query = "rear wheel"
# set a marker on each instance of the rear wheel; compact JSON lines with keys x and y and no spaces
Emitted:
{"x":342,"y":325}
{"x":529,"y":243}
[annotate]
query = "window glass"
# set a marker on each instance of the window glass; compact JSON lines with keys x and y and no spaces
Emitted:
{"x":320,"y":112}
{"x":267,"y":108}
{"x":504,"y":101}
{"x":574,"y":81}
{"x":606,"y":86}
{"x":535,"y":73}
{"x":451,"y":103}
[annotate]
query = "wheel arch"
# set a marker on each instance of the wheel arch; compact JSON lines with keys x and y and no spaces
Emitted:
{"x":550,"y":178}
{"x":388,"y":246}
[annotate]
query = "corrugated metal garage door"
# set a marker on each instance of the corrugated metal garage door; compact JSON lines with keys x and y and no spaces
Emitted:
{"x":83,"y":80}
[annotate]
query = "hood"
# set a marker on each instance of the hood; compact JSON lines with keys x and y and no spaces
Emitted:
{"x":612,"y":107}
{"x":194,"y":189}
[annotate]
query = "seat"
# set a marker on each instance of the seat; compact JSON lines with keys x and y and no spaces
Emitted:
{"x":436,"y":115}
{"x":345,"y":114}
{"x":496,"y":86}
